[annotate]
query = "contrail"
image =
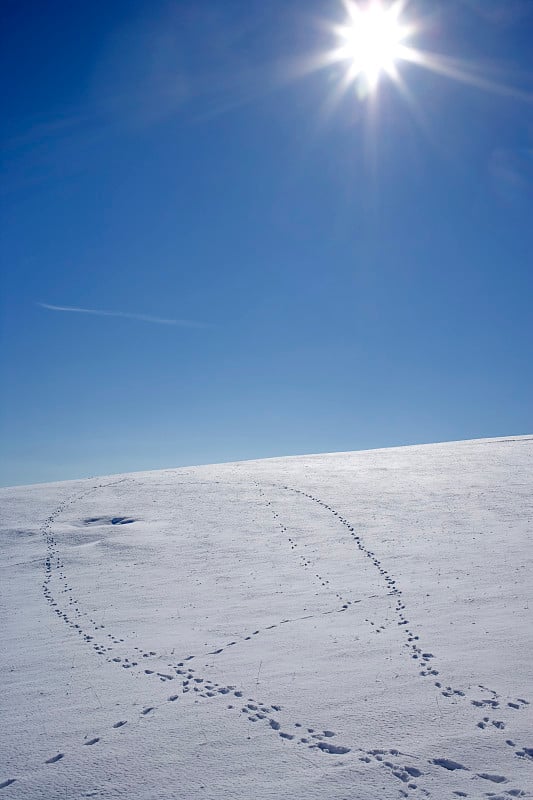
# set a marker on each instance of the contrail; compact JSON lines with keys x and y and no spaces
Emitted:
{"x":183,"y":323}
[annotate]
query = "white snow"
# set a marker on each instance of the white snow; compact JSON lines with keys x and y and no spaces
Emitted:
{"x":353,"y":626}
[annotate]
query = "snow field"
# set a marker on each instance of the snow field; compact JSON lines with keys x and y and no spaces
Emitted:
{"x":349,"y":626}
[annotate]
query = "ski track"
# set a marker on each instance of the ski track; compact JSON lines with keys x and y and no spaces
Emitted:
{"x":404,"y":767}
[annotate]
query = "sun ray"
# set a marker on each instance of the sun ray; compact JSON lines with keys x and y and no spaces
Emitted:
{"x":461,"y":71}
{"x":376,"y":38}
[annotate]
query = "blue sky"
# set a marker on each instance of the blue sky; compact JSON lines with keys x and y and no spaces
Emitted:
{"x":289,"y":274}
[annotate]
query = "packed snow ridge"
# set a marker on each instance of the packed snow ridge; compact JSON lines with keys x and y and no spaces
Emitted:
{"x":353,"y":626}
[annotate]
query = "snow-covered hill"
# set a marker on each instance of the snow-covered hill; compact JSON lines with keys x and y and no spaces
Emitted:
{"x":353,"y":626}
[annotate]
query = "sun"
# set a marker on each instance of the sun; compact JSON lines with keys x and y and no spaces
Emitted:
{"x":371,"y":42}
{"x":380,"y":39}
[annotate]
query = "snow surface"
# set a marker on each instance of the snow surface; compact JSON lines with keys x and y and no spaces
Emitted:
{"x":352,"y":626}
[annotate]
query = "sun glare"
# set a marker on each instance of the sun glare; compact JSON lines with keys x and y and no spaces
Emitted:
{"x":371,"y":41}
{"x":376,"y":37}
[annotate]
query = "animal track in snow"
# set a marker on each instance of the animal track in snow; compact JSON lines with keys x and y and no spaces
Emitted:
{"x":447,"y":763}
{"x":262,"y":713}
{"x":394,"y":763}
{"x":304,"y":560}
{"x":424,"y":657}
{"x":127,"y":663}
{"x":53,"y":760}
{"x":326,"y":747}
{"x":494,"y":778}
{"x":109,"y":521}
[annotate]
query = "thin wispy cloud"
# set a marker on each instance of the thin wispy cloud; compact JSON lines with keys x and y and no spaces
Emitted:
{"x":183,"y":323}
